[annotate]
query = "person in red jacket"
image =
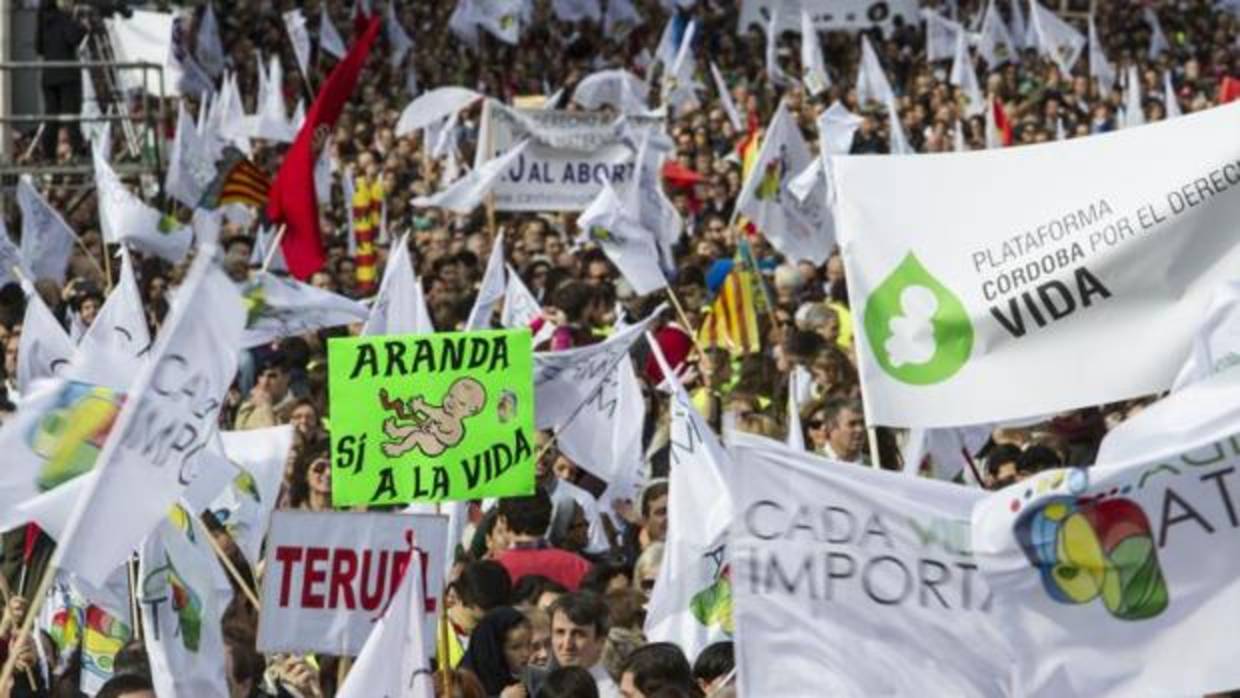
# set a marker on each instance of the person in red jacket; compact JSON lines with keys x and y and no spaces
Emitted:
{"x":525,"y":521}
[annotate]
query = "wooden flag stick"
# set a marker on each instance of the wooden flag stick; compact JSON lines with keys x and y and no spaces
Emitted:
{"x":275,"y":245}
{"x":36,"y":604}
{"x":233,"y":571}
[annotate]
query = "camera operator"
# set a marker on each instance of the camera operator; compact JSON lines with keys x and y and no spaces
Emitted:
{"x":60,"y":32}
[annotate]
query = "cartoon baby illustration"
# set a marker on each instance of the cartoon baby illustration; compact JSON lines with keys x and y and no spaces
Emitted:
{"x":434,"y":428}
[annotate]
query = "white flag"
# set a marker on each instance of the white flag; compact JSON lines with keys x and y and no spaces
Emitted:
{"x":329,"y":38}
{"x":466,"y":193}
{"x":125,"y":219}
{"x":490,"y":291}
{"x":47,"y":241}
{"x":394,"y":662}
{"x":601,"y":438}
{"x":1134,"y":109}
{"x":947,"y":313}
{"x":577,"y":10}
{"x":1103,"y":576}
{"x":44,"y":348}
{"x":521,"y":310}
{"x":941,"y":35}
{"x":856,"y":581}
{"x":680,"y":85}
{"x":57,"y":433}
{"x":725,"y":98}
{"x":191,"y":168}
{"x":899,"y":141}
{"x":299,"y":36}
{"x":1158,"y":40}
{"x":92,"y":126}
{"x":399,"y":42}
{"x":183,"y":592}
{"x":995,"y":44}
{"x":691,"y":603}
{"x":277,"y":306}
{"x":629,"y":246}
{"x":836,"y":128}
{"x":565,"y":380}
{"x":1056,"y":39}
{"x":1216,"y":341}
{"x":257,"y":458}
{"x":618,"y":88}
{"x":210,"y":50}
{"x":620,"y":18}
{"x":169,"y":415}
{"x":800,"y":388}
{"x":814,"y":68}
{"x":774,"y":73}
{"x":120,"y":324}
{"x":872,"y":84}
{"x":271,"y":121}
{"x":798,"y":230}
{"x":1170,"y":98}
{"x":1099,"y":67}
{"x":94,"y":620}
{"x":1060,"y":133}
{"x":400,"y":305}
{"x":655,"y":212}
{"x":965,"y":77}
{"x":266,"y":237}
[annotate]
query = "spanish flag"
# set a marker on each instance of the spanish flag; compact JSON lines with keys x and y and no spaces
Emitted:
{"x":731,"y":321}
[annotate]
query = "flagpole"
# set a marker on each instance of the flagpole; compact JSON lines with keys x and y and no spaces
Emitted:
{"x":275,"y":245}
{"x":233,"y":571}
{"x":875,"y":461}
{"x":684,"y":319}
{"x":36,"y":605}
{"x":107,"y":268}
{"x":445,"y":661}
{"x":135,"y":610}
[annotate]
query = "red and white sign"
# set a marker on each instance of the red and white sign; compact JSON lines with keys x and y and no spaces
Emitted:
{"x":331,"y":575}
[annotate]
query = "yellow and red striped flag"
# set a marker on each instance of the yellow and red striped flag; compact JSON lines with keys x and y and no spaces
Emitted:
{"x":367,"y":211}
{"x":731,"y":322}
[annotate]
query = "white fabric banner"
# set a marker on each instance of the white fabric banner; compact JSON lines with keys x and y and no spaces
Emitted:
{"x":400,"y":305}
{"x":1103,"y":577}
{"x":1048,"y":289}
{"x":277,"y":306}
{"x":521,"y":309}
{"x":169,"y":415}
{"x":605,"y":438}
{"x":120,"y":324}
{"x":490,"y":290}
{"x":468,"y":192}
{"x":618,"y":88}
{"x":44,"y":349}
{"x":691,"y":603}
{"x":183,"y":592}
{"x":330,"y":575}
{"x":435,"y":105}
{"x":124,"y":218}
{"x":565,"y":380}
{"x":798,"y":230}
{"x":569,"y":156}
{"x":244,"y":508}
{"x":394,"y":662}
{"x":828,"y":15}
{"x":1216,"y":343}
{"x":858,"y":582}
{"x":611,"y":226}
{"x":47,"y":241}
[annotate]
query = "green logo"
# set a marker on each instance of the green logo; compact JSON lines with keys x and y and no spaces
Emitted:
{"x":918,"y":330}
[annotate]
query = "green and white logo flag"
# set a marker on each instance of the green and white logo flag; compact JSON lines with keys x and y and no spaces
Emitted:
{"x":1112,"y":581}
{"x":984,"y":303}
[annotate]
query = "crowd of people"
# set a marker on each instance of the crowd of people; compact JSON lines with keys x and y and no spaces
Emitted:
{"x":548,"y":595}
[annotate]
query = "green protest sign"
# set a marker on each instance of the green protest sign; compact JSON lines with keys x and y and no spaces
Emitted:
{"x":433,"y":417}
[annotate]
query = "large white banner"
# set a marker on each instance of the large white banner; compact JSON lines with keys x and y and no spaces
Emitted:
{"x":849,"y":581}
{"x":570,"y":155}
{"x":1119,"y":581}
{"x":827,"y":15}
{"x":331,"y":575}
{"x":1030,"y":280}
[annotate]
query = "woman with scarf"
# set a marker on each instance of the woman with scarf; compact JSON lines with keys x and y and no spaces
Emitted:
{"x":499,"y":650}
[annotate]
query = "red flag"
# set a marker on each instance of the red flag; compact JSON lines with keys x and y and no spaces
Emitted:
{"x":1002,"y":124}
{"x":1229,"y":90}
{"x":291,"y":200}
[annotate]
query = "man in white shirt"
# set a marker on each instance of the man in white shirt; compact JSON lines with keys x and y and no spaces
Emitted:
{"x":578,"y":633}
